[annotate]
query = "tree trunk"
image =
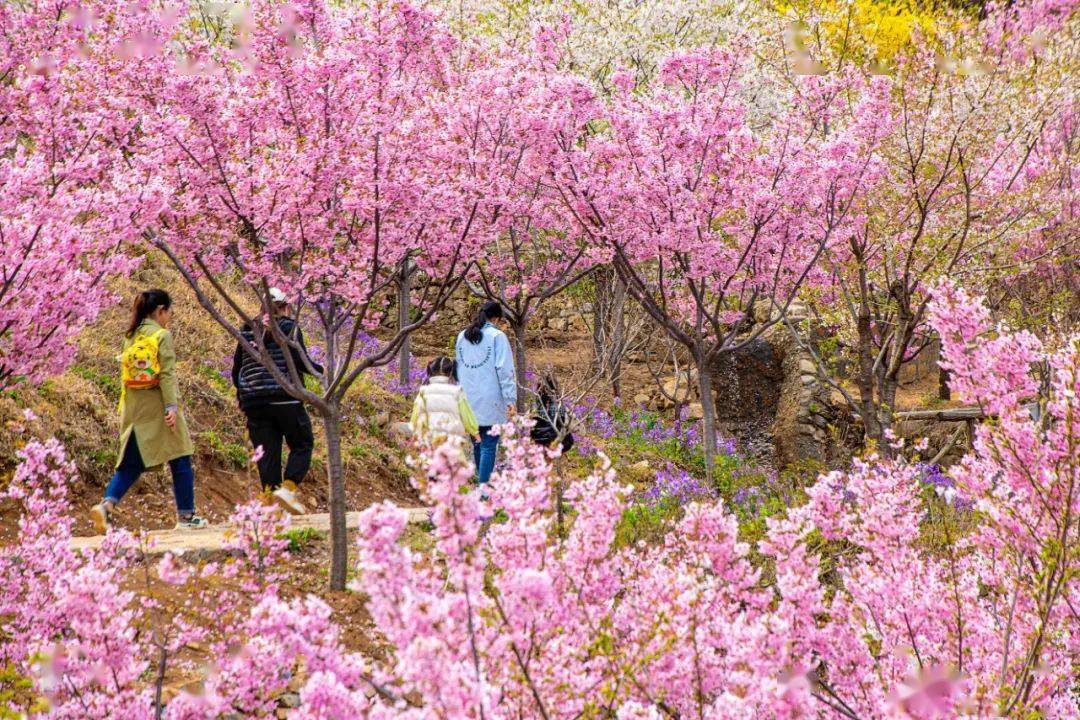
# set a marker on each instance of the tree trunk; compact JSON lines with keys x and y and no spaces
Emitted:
{"x":404,"y":303}
{"x":339,"y":549}
{"x":865,"y":375}
{"x":943,"y":391}
{"x":886,"y":407}
{"x":708,"y":414}
{"x":618,"y":335}
{"x":520,"y":364}
{"x":609,"y":327}
{"x":602,"y":283}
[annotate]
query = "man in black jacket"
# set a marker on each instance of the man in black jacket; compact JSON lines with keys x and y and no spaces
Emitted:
{"x":272,"y":414}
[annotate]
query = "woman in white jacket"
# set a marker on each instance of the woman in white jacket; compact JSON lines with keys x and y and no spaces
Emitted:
{"x":441,"y":410}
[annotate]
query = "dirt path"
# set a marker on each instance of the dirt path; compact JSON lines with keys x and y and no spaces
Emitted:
{"x":211,"y":538}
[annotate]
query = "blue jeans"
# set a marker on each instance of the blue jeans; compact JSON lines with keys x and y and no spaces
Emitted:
{"x":484,"y":454}
{"x":131,"y":467}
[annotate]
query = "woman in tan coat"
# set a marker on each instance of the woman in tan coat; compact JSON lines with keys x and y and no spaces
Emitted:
{"x":152,"y":428}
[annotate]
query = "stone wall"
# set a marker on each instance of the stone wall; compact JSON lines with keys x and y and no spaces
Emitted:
{"x":770,"y":386}
{"x":800,"y":430}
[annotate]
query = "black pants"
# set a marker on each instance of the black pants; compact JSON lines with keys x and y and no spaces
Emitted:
{"x":268,"y":425}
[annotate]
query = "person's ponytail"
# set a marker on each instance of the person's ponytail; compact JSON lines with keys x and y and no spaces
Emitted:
{"x":475,"y":332}
{"x":146,"y":303}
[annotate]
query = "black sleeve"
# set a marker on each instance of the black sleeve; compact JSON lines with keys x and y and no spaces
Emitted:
{"x":237,"y":362}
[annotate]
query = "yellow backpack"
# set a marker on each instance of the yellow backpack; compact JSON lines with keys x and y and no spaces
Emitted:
{"x":139,"y":364}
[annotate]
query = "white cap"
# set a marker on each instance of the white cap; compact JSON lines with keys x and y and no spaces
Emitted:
{"x":277,"y":295}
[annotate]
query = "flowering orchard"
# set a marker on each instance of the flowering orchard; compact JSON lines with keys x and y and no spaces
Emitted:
{"x":374,"y":159}
{"x":842,"y":610}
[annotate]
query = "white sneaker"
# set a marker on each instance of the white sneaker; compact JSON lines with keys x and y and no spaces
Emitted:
{"x":193,"y":522}
{"x":288,"y":499}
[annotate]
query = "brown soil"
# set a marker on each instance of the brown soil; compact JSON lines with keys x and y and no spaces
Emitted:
{"x":304,"y":573}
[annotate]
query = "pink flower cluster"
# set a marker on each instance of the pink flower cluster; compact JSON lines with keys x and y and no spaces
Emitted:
{"x":60,"y":221}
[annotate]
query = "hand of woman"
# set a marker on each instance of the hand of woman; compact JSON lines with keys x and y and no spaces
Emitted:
{"x":170,"y":417}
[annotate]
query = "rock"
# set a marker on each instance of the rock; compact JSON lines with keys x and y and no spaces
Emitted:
{"x":677,"y":388}
{"x":762,"y":311}
{"x":558,"y":324}
{"x":747,"y":384}
{"x":381,"y":418}
{"x":642,"y":467}
{"x":642,"y":400}
{"x":400,"y":432}
{"x":797,"y":312}
{"x":289,"y":700}
{"x":695,"y":411}
{"x":773,"y":382}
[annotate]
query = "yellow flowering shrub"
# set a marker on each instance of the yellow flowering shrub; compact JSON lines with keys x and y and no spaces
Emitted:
{"x":871,"y":31}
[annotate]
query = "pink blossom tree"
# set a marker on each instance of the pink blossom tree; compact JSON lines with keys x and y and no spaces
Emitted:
{"x":862,"y":615}
{"x":59,"y":145}
{"x":92,"y":641}
{"x":533,"y":253}
{"x":355,"y":180}
{"x":704,"y":215}
{"x":975,"y":188}
{"x":980,"y":622}
{"x":69,"y":625}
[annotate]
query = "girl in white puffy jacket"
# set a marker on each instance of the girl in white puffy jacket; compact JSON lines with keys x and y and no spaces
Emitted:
{"x":441,"y":410}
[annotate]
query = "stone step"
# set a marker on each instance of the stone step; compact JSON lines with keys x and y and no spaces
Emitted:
{"x":212,"y":537}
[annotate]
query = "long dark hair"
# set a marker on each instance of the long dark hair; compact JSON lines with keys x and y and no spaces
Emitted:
{"x":442,"y":366}
{"x":146,"y":303}
{"x":548,"y":391}
{"x":475,"y":332}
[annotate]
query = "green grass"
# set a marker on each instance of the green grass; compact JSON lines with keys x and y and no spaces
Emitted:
{"x":632,"y":442}
{"x":233,"y":454}
{"x":106,"y":383}
{"x":646,"y":522}
{"x":299,"y":538}
{"x":364,"y":451}
{"x":359,"y":452}
{"x":105,"y":457}
{"x":418,"y":538}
